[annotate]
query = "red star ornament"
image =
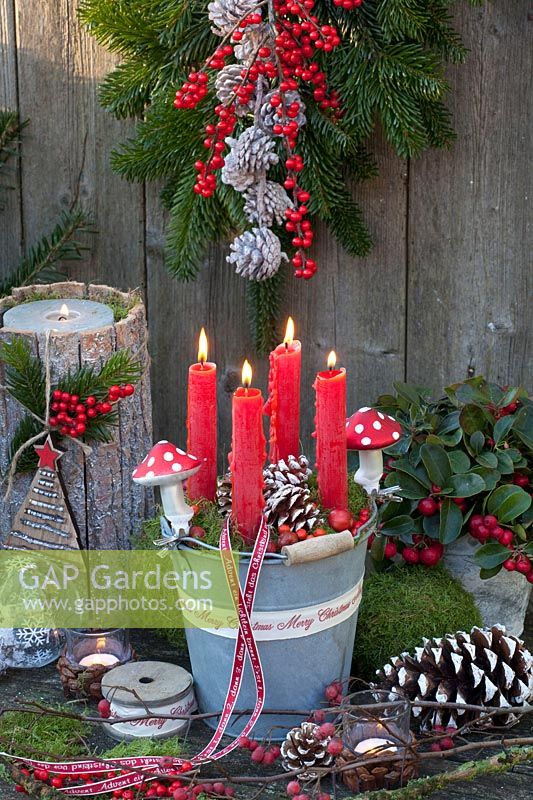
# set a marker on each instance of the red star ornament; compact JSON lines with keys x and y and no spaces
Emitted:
{"x":48,"y":455}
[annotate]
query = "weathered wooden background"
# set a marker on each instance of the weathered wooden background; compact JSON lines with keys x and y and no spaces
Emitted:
{"x":444,"y":289}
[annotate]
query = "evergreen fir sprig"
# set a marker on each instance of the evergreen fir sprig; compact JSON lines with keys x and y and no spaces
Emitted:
{"x":388,"y":71}
{"x":26,"y":383}
{"x":42,"y":263}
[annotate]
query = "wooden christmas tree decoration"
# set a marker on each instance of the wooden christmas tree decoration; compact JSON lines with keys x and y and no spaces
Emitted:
{"x":44,"y":520}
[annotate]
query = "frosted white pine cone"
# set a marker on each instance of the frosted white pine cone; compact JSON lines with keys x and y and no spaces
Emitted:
{"x":256,"y":254}
{"x":226,"y":14}
{"x":227,"y":81}
{"x":275,"y":201}
{"x":249,"y":158}
{"x":271,"y":116}
{"x":252,"y":38}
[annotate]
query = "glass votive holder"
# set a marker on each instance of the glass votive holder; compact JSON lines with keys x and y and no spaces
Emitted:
{"x":88,"y":655}
{"x":377,"y":728}
{"x":86,"y":647}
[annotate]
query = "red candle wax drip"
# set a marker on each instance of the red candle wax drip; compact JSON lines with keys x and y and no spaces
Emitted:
{"x":283,"y":404}
{"x":331,"y":453}
{"x":202,"y":424}
{"x":247,"y":460}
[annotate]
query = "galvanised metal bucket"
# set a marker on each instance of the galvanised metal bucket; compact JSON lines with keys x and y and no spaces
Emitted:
{"x":298,"y":667}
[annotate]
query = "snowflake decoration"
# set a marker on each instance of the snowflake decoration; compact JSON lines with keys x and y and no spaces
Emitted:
{"x":33,"y":636}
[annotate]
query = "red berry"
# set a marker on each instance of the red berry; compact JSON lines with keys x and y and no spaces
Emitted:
{"x":340,"y":520}
{"x":106,"y":407}
{"x":490,"y":521}
{"x":335,"y":747}
{"x":509,"y":565}
{"x":129,"y":389}
{"x":80,"y":428}
{"x":410,"y":555}
{"x":325,"y":730}
{"x":90,"y":401}
{"x":57,"y":394}
{"x":390,"y":550}
{"x":65,"y":397}
{"x":430,"y":556}
{"x":505,"y":537}
{"x":56,"y":782}
{"x":519,"y":479}
{"x":523,"y":565}
{"x":331,"y":692}
{"x":529,"y":577}
{"x":293,"y":787}
{"x":104,"y":709}
{"x":435,"y":489}
{"x":258,"y":754}
{"x":447,"y":743}
{"x":475,"y":521}
{"x":428,"y":507}
{"x":92,"y":413}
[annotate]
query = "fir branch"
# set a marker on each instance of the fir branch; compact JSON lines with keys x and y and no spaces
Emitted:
{"x":264,"y":302}
{"x":120,"y":368}
{"x":24,"y":375}
{"x":10,"y":130}
{"x":27,"y":428}
{"x":41,"y":265}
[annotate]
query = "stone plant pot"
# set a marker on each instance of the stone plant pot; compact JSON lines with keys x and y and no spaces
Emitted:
{"x":501,"y":600}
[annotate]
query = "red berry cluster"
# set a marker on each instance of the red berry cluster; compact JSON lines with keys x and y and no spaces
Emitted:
{"x":294,"y":790}
{"x":260,"y":753}
{"x":299,"y":36}
{"x":424,"y":551}
{"x":444,"y":743}
{"x":485,"y":527}
{"x":348,"y":5}
{"x":333,"y":694}
{"x":70,"y":415}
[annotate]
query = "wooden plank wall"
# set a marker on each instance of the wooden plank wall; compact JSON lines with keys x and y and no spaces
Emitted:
{"x":444,"y":288}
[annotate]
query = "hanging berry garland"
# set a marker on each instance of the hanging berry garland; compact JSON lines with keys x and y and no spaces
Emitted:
{"x":274,"y":44}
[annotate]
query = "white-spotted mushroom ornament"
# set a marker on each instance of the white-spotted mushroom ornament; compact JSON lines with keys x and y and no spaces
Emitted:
{"x":168,"y":467}
{"x":370,"y":431}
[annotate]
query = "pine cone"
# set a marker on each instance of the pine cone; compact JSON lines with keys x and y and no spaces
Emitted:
{"x":252,"y":38}
{"x":266,"y":204}
{"x":293,"y":506}
{"x":271,"y":116}
{"x":483,"y":667}
{"x":223,"y":494}
{"x":225,"y":14}
{"x":293,"y":472}
{"x":256,"y":254}
{"x":227,"y":82}
{"x":301,"y":748}
{"x":249,"y":158}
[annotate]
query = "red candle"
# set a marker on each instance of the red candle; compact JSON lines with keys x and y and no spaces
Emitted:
{"x":283,"y":404}
{"x":202,"y":424}
{"x":247,"y":457}
{"x":330,"y":421}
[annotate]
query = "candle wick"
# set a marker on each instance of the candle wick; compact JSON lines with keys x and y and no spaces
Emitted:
{"x":286,"y":345}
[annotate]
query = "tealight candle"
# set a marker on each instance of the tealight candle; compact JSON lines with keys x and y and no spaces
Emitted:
{"x":70,"y":315}
{"x":99,"y":660}
{"x":375,"y":746}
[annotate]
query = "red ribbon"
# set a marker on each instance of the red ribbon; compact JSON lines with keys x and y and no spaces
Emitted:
{"x":245,"y":643}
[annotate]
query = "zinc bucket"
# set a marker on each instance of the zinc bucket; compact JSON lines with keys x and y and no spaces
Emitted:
{"x":304,"y":620}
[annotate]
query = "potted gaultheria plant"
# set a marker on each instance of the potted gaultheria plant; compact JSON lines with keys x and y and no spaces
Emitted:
{"x":464,"y":468}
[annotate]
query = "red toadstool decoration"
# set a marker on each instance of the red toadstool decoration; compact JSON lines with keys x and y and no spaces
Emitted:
{"x":370,"y":431}
{"x":168,"y":467}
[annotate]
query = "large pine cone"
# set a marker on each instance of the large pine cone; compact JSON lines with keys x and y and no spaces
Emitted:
{"x":266,"y":203}
{"x":225,"y":14}
{"x":256,"y":254}
{"x":293,"y":472}
{"x":302,"y":748}
{"x":486,"y":667}
{"x":293,"y":506}
{"x":249,"y":158}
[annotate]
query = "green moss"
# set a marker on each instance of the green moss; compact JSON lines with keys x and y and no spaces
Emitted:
{"x":59,"y":737}
{"x":403,"y":605}
{"x":146,"y":747}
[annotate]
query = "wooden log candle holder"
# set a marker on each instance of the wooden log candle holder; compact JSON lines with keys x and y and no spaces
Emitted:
{"x":106,"y":505}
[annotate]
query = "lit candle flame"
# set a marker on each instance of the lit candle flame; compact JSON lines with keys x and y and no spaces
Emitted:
{"x":289,"y":332}
{"x":100,"y":643}
{"x":246,"y":374}
{"x":202,"y":347}
{"x":63,"y":312}
{"x":332,"y":359}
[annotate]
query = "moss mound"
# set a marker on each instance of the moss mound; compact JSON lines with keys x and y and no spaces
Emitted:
{"x":146,"y":747}
{"x":58,"y":737}
{"x":403,"y":605}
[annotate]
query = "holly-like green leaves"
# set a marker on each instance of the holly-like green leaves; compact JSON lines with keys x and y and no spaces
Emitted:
{"x":508,"y":502}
